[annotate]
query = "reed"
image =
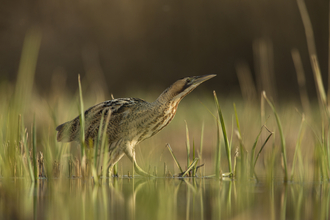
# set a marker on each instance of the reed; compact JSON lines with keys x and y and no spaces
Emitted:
{"x":283,"y":144}
{"x":187,"y":145}
{"x":224,"y":132}
{"x":174,"y":158}
{"x":297,"y":153}
{"x":104,"y":151}
{"x":34,"y":149}
{"x":200,"y":154}
{"x":194,"y":157}
{"x":24,"y":141}
{"x":24,"y":195}
{"x":218,"y":152}
{"x":253,"y":153}
{"x":82,"y":122}
{"x":242,"y":151}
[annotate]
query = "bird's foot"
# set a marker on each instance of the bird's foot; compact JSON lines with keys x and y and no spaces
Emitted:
{"x":141,"y":172}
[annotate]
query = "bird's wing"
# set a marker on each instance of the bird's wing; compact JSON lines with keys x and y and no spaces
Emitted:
{"x":118,"y":108}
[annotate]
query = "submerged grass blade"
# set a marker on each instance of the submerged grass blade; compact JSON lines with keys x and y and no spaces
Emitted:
{"x":281,"y":136}
{"x":224,"y":131}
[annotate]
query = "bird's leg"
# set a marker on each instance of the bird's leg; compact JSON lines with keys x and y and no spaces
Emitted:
{"x":109,"y":170}
{"x":115,"y":156}
{"x":140,"y":171}
{"x":131,"y":155}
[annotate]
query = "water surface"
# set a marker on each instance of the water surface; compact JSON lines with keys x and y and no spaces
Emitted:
{"x":162,"y":198}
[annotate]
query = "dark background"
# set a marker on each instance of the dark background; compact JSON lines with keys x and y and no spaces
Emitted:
{"x":128,"y":44}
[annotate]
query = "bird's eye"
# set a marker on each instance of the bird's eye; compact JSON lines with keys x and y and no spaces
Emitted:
{"x":188,"y":80}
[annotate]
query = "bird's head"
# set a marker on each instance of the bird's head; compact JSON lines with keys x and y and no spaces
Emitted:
{"x":183,"y":87}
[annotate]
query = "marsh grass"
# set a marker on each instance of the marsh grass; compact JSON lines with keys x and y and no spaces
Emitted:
{"x":22,"y":156}
{"x":208,"y":200}
{"x":40,"y":176}
{"x":224,"y":132}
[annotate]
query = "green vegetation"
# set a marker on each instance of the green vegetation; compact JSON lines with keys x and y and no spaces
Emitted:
{"x":210,"y":186}
{"x":251,"y":168}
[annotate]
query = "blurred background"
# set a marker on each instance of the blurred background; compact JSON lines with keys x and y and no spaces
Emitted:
{"x":137,"y":48}
{"x":125,"y":45}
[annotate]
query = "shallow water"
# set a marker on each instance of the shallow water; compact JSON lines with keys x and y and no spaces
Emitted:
{"x":162,"y":198}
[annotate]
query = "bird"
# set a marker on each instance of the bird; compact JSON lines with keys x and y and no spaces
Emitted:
{"x":130,"y":120}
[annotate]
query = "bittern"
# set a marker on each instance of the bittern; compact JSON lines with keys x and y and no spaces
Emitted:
{"x":131,"y":120}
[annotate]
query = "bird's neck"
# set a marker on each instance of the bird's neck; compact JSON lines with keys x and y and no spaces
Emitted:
{"x":164,"y":98}
{"x":164,"y":102}
{"x":166,"y":106}
{"x":159,"y":114}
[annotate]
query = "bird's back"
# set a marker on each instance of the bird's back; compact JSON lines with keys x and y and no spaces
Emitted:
{"x":127,"y":115}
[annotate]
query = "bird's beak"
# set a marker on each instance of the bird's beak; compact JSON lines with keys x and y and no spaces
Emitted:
{"x":200,"y":79}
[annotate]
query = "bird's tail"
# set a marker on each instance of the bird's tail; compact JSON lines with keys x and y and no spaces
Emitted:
{"x":68,"y":131}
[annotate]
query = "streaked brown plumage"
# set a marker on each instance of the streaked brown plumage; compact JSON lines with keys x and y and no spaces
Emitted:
{"x":131,"y":121}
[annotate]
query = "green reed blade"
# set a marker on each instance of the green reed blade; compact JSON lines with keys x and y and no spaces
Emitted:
{"x":262,"y":147}
{"x":34,"y":149}
{"x":242,"y":150}
{"x":175,"y":160}
{"x":26,"y":70}
{"x":104,"y":145}
{"x":49,"y":159}
{"x":328,"y":146}
{"x":201,"y":145}
{"x":98,"y":141}
{"x":25,"y":145}
{"x":194,"y":169}
{"x":237,"y":121}
{"x":253,"y":152}
{"x":82,"y":120}
{"x":325,"y":157}
{"x":298,"y":147}
{"x":227,"y":146}
{"x":187,"y":145}
{"x":200,"y":154}
{"x":218,"y":151}
{"x":190,"y":167}
{"x":281,"y":136}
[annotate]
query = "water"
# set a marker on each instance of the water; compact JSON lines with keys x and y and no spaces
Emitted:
{"x":162,"y":198}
